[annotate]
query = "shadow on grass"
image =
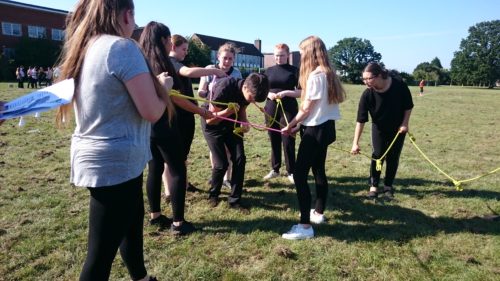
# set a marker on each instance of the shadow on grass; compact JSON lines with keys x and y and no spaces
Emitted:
{"x":357,"y":218}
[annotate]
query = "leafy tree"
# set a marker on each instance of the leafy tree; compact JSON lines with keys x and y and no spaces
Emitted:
{"x":407,"y":78}
{"x":478,"y":60}
{"x":198,"y":54}
{"x":437,"y":63}
{"x":427,"y":71}
{"x":351,"y":55}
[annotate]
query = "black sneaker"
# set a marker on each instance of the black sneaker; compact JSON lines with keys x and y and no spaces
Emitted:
{"x":185,"y":228}
{"x":239,"y":207}
{"x":389,"y":192}
{"x":213,"y":201}
{"x":162,"y":222}
{"x":192,"y":188}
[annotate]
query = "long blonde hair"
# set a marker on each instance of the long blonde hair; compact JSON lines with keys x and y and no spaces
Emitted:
{"x":90,"y":19}
{"x":314,"y":54}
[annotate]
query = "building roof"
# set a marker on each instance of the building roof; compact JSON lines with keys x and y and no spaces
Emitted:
{"x":215,"y":42}
{"x":33,"y":7}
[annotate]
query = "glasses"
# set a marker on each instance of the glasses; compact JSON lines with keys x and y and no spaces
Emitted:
{"x":369,"y":78}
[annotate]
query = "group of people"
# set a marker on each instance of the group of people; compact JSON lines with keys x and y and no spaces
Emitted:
{"x":35,"y":76}
{"x":126,"y":119}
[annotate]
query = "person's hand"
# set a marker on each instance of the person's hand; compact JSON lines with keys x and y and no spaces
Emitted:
{"x":290,"y":130}
{"x":280,"y":95}
{"x":219,"y":72}
{"x":207,"y":114}
{"x":403,"y":129}
{"x":166,"y":81}
{"x":271,"y":96}
{"x":245,"y":128}
{"x":234,"y":108}
{"x":355,"y":149}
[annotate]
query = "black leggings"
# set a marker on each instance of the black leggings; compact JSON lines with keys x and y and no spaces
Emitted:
{"x":115,"y":221}
{"x":170,"y":151}
{"x":312,"y":153}
{"x":290,"y":108}
{"x":380,"y":143}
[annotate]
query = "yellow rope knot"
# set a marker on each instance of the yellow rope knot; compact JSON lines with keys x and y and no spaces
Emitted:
{"x":458,"y":185}
{"x":378,"y":165}
{"x":412,"y":137}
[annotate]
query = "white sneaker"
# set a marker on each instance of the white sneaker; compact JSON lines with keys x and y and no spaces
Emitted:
{"x":271,"y":175}
{"x":298,"y":232}
{"x":316,"y":218}
{"x":290,"y":178}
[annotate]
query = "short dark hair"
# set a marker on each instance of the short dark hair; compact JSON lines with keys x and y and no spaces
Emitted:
{"x":258,"y":85}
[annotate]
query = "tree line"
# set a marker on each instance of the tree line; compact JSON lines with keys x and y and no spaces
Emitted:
{"x":476,"y":63}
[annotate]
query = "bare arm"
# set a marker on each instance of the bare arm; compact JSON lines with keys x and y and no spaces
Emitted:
{"x":148,"y":102}
{"x":196,"y":72}
{"x":289,"y":93}
{"x":357,"y":136}
{"x":406,"y":119}
{"x":305,"y":109}
{"x":217,"y":111}
{"x":191,"y":107}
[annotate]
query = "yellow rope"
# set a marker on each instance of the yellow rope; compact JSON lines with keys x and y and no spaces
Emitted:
{"x":455,"y":182}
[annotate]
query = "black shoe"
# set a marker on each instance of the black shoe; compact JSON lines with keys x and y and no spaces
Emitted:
{"x":185,"y":228}
{"x":192,"y":188}
{"x":162,"y":222}
{"x":389,"y":192}
{"x":240,"y":207}
{"x":152,"y":278}
{"x":213,"y":201}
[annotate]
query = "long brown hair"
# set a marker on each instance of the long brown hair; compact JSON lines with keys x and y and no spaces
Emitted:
{"x":157,"y":55}
{"x":314,"y":54}
{"x":90,"y":19}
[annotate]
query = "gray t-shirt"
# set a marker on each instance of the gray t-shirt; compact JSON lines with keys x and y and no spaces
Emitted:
{"x":110,"y":144}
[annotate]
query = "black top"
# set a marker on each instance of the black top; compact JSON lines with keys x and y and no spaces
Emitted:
{"x":282,"y":77}
{"x":186,"y":88}
{"x":386,"y":109}
{"x":226,"y":90}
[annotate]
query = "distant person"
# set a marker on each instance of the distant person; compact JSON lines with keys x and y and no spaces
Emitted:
{"x":219,"y":133}
{"x":2,"y":108}
{"x":225,"y":57}
{"x":388,"y":102}
{"x":20,"y":77}
{"x":115,"y":101}
{"x":283,"y":82}
{"x":321,"y":94}
{"x":421,"y":85}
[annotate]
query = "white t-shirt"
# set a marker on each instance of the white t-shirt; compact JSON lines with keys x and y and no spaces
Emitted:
{"x":317,"y":89}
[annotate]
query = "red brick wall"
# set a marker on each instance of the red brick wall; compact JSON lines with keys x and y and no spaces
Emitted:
{"x":25,"y":17}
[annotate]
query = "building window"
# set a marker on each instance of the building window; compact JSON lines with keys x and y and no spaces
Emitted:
{"x":57,"y":34}
{"x":13,"y":29}
{"x":36,"y":31}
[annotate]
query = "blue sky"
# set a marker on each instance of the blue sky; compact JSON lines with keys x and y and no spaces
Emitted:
{"x":406,"y":33}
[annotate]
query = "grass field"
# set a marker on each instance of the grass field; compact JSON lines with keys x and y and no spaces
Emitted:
{"x":429,"y":232}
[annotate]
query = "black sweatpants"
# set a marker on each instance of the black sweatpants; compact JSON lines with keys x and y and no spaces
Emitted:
{"x":312,"y":153}
{"x":380,"y":142}
{"x":218,"y":138}
{"x":290,"y":107}
{"x":115,"y":221}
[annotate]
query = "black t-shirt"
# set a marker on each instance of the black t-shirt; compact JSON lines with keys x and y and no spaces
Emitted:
{"x":226,"y":90}
{"x":282,"y":77}
{"x":386,"y":109}
{"x":186,"y":88}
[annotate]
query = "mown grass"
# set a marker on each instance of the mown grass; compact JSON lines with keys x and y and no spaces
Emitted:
{"x":430,"y":232}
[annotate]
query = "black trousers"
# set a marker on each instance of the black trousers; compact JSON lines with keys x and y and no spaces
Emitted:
{"x":219,"y":137}
{"x":170,"y":150}
{"x":380,"y":142}
{"x":312,"y":153}
{"x":290,"y":107}
{"x":115,"y":221}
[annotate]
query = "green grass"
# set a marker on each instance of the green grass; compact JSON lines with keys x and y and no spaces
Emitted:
{"x":430,"y":232}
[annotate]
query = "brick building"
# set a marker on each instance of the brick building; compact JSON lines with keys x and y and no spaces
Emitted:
{"x":20,"y":20}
